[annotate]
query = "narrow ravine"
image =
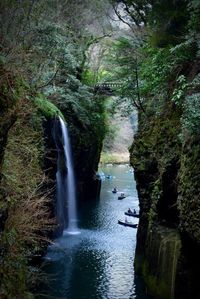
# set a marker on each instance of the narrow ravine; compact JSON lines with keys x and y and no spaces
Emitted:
{"x":99,"y":262}
{"x":89,"y":83}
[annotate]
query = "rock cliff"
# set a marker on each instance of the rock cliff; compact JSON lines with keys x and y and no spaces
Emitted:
{"x":27,"y":177}
{"x":166,"y":159}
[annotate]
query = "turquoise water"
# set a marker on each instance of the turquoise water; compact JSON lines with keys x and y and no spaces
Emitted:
{"x":98,"y":262}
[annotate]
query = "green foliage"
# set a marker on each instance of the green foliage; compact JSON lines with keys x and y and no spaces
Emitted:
{"x":154,"y":70}
{"x":12,"y":88}
{"x":91,"y":78}
{"x":147,"y":72}
{"x":122,"y":66}
{"x":50,"y":53}
{"x":43,"y":48}
{"x":27,"y":206}
{"x":191,"y":115}
{"x":161,"y":65}
{"x":47,"y":109}
{"x":189,"y":177}
{"x":149,"y":68}
{"x":191,"y":109}
{"x":2,"y":60}
{"x":179,"y":91}
{"x":194,"y":10}
{"x":168,"y":20}
{"x":88,"y":77}
{"x":121,"y":60}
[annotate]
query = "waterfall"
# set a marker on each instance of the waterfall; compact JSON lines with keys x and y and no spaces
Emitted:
{"x":66,"y":195}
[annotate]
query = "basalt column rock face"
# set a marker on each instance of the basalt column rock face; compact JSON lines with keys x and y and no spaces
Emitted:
{"x":167,"y":176}
{"x":189,"y":188}
{"x":160,"y":266}
{"x":189,"y":209}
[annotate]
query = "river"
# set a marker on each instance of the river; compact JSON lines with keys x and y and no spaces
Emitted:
{"x":98,"y":262}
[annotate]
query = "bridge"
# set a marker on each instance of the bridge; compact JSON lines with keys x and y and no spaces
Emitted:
{"x":107,"y":88}
{"x":109,"y":84}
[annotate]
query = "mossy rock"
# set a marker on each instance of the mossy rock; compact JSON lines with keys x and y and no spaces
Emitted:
{"x":159,"y":264}
{"x":189,"y":189}
{"x":46,"y":108}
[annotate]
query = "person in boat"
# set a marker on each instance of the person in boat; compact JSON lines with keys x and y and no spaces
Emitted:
{"x":134,"y":211}
{"x":130,"y":211}
{"x":122,"y":194}
{"x":126,"y":220}
{"x":115,"y":189}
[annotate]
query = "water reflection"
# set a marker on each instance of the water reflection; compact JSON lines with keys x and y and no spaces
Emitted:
{"x":97,"y":263}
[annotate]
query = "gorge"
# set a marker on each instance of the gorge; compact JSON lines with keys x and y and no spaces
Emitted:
{"x":57,"y":129}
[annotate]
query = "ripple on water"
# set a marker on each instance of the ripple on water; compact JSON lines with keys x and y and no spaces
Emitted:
{"x":98,"y":262}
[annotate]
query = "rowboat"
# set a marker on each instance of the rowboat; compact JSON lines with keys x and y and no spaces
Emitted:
{"x":132,"y":214}
{"x":134,"y":225}
{"x":121,"y":197}
{"x":114,"y":191}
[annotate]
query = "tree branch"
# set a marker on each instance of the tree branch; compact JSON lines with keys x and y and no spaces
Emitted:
{"x":46,"y":84}
{"x":120,"y":17}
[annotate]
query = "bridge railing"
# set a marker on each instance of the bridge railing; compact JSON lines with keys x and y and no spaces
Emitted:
{"x":109,"y":85}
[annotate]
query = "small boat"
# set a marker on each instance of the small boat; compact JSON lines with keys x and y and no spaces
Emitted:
{"x":121,"y":197}
{"x":132,"y":214}
{"x":134,"y":225}
{"x":114,"y":191}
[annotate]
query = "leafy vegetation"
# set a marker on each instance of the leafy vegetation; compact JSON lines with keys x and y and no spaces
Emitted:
{"x":43,"y":56}
{"x":165,"y":152}
{"x":47,"y":109}
{"x":27,"y":205}
{"x":45,"y":48}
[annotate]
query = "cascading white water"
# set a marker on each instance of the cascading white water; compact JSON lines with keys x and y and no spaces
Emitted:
{"x":66,"y":195}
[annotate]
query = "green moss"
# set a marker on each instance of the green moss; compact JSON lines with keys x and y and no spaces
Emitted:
{"x":159,"y":265}
{"x":138,"y":262}
{"x":23,"y":152}
{"x":12,"y":89}
{"x":189,"y":188}
{"x":26,"y":208}
{"x":158,"y":287}
{"x":48,"y":109}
